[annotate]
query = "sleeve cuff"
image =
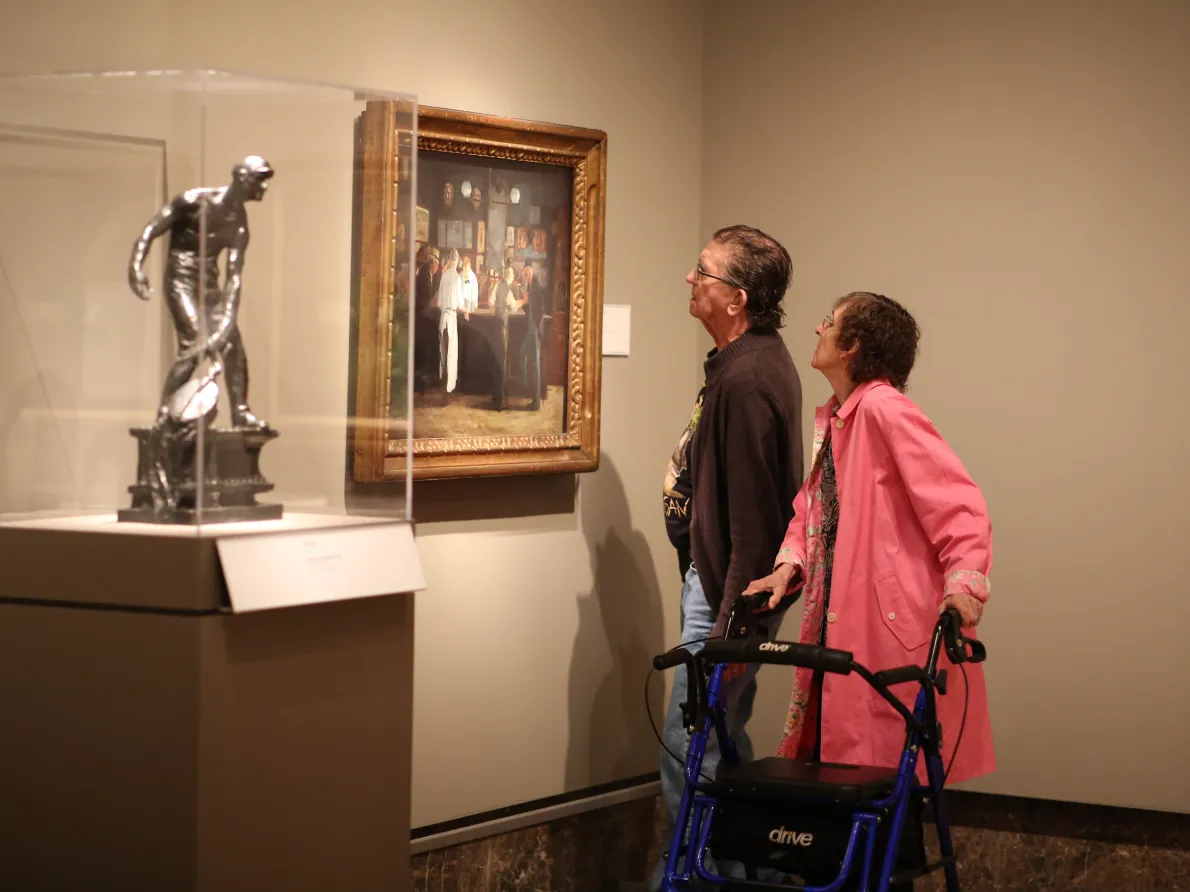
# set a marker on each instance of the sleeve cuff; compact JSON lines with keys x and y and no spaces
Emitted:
{"x":968,"y":582}
{"x":787,"y":556}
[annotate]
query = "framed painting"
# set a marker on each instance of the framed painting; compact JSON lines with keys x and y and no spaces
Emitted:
{"x":507,"y":309}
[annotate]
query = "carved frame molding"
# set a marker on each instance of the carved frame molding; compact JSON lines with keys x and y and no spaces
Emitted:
{"x":377,"y":457}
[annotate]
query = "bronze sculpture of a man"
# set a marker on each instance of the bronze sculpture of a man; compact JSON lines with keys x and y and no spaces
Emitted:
{"x":201,"y":224}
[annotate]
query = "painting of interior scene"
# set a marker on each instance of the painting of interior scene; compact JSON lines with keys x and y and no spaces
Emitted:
{"x":491,"y":297}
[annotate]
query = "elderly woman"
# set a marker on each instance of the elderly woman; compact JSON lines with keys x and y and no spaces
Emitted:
{"x":888,"y":531}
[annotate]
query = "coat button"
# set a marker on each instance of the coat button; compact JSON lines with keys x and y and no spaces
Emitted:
{"x":892,"y":616}
{"x":839,"y":423}
{"x":830,"y":617}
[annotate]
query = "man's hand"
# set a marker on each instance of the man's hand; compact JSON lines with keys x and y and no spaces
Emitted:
{"x":968,"y":606}
{"x":776,"y":584}
{"x":140,"y":283}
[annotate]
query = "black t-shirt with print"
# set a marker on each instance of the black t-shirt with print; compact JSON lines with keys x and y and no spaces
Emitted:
{"x":676,"y":493}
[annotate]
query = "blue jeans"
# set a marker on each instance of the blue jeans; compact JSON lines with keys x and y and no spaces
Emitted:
{"x":698,"y":619}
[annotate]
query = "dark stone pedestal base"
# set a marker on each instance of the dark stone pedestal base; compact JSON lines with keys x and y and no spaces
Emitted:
{"x":194,"y":517}
{"x":231,"y":480}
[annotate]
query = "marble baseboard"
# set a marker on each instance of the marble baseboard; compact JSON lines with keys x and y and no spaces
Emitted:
{"x":1008,"y":844}
{"x":1005,"y":845}
{"x":583,"y":853}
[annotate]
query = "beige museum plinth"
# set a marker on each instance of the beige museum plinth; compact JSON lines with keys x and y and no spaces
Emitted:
{"x":150,"y":740}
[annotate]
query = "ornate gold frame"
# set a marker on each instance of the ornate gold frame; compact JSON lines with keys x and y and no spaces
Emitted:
{"x":378,"y":457}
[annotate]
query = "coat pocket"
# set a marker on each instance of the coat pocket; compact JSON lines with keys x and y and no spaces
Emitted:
{"x":900,"y":615}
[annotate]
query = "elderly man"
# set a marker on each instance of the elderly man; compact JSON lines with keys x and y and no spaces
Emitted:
{"x":729,"y":490}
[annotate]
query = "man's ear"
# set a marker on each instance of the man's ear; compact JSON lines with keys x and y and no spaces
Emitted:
{"x":738,"y":303}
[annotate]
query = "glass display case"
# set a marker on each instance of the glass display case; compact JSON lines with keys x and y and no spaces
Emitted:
{"x":180,"y":280}
{"x":181,"y":286}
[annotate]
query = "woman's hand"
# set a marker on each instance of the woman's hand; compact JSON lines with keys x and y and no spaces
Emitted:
{"x":776,"y":584}
{"x":968,"y":606}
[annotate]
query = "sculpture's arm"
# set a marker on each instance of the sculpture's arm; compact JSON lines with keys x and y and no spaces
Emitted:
{"x":136,"y":266}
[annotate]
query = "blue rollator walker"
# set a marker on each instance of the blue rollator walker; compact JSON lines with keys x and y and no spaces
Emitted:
{"x":834,"y":827}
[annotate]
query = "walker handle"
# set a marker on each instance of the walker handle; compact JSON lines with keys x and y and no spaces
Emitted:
{"x":783,"y":653}
{"x":890,"y":677}
{"x":675,"y":657}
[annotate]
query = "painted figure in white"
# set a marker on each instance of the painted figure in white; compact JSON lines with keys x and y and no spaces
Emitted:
{"x":450,"y":302}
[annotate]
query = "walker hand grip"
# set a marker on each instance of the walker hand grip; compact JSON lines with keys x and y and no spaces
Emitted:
{"x":783,"y":653}
{"x":959,"y":648}
{"x":758,"y":602}
{"x":671,"y":658}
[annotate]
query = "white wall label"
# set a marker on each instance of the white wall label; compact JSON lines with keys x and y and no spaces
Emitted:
{"x":617,"y":329}
{"x":288,"y":569}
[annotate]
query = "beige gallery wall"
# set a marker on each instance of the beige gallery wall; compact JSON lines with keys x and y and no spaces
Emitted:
{"x":1016,"y":173}
{"x":546,"y":596}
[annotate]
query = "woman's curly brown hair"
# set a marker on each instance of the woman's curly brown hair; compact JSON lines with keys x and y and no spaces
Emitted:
{"x":885,"y":333}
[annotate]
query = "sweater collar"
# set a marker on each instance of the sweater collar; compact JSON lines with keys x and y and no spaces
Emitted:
{"x":718,"y":360}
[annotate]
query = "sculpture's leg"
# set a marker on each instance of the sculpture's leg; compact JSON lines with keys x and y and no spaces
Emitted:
{"x":160,"y":484}
{"x":181,"y":288}
{"x":158,"y":481}
{"x":179,"y":298}
{"x":235,"y":370}
{"x":164,"y":475}
{"x":179,"y":374}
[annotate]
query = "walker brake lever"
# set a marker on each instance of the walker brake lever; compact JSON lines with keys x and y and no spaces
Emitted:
{"x":758,"y":602}
{"x":959,"y":648}
{"x":753,"y":608}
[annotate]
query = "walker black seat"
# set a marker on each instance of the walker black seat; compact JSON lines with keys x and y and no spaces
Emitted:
{"x":777,"y":779}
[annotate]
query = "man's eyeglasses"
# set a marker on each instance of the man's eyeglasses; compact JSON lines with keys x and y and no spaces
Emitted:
{"x":827,"y":321}
{"x":699,"y":272}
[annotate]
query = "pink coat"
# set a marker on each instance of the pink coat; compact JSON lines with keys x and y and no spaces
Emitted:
{"x":913,"y":528}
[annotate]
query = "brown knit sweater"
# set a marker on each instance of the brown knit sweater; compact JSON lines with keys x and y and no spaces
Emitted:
{"x":746,"y":465}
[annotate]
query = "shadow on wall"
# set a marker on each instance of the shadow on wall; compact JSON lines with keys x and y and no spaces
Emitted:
{"x":620,"y":628}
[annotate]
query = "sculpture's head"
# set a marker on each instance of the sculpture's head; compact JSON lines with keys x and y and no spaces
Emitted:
{"x":252,"y":176}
